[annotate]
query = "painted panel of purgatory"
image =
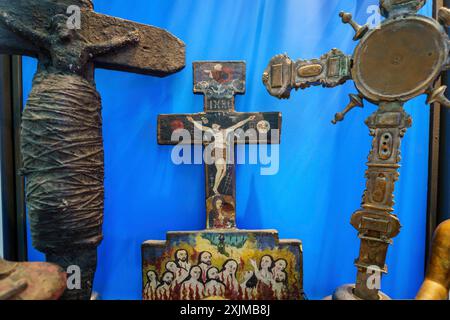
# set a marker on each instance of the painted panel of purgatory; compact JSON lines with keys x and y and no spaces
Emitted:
{"x":233,"y":265}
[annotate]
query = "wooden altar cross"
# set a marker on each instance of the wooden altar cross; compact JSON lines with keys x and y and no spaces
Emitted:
{"x":218,"y":128}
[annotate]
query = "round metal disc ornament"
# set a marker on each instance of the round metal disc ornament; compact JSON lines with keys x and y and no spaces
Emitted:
{"x":401,"y":59}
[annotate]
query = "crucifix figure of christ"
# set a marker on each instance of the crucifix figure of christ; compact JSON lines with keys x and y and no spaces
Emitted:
{"x":61,"y":129}
{"x":219,"y":128}
{"x":399,"y":60}
{"x":221,"y":261}
{"x":221,"y":146}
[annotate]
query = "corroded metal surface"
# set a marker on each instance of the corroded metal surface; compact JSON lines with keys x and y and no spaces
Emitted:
{"x":283,"y":74}
{"x":437,"y":280}
{"x":346,"y":292}
{"x":390,"y":65}
{"x":31,"y":281}
{"x":61,"y":136}
{"x":375,"y":222}
{"x":157,"y":52}
{"x":414,"y":50}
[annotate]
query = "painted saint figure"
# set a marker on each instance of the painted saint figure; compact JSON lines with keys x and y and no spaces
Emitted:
{"x":264,"y":276}
{"x":192,"y":288}
{"x":222,"y":213}
{"x":279,"y":266}
{"x":163,"y":292}
{"x":204,"y":263}
{"x":220,"y":146}
{"x":213,"y":287}
{"x":279,"y":285}
{"x":150,"y":287}
{"x":182,"y":259}
{"x":280,"y":278}
{"x":220,"y":74}
{"x":179,"y":273}
{"x":228,"y":277}
{"x":263,"y":273}
{"x":267,"y":281}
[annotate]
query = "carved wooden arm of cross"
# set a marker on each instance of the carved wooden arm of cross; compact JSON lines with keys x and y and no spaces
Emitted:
{"x":24,"y":24}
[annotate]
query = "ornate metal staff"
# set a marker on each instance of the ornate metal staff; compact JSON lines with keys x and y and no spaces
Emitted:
{"x":61,"y":137}
{"x":391,"y":64}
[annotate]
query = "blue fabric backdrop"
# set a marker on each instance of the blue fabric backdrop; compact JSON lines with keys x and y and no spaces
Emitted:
{"x":321,"y":177}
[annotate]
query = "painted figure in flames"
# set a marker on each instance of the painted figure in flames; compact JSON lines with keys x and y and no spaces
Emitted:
{"x":268,"y":280}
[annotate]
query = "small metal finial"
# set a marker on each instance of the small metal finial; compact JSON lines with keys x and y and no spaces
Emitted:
{"x":360,"y":31}
{"x":444,"y":16}
{"x":355,"y":101}
{"x":438,"y":95}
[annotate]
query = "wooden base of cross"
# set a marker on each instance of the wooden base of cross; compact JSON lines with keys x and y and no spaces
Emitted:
{"x":230,"y":264}
{"x":221,"y":261}
{"x":388,"y":73}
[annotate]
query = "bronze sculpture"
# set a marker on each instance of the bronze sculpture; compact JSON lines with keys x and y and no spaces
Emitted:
{"x":31,"y":281}
{"x":437,"y":280}
{"x":391,"y":65}
{"x":222,"y":261}
{"x":61,"y":136}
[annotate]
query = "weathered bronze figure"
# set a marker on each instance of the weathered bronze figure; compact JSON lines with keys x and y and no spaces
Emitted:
{"x":391,"y":65}
{"x":221,"y":261}
{"x":61,"y":137}
{"x":437,"y":280}
{"x":31,"y":281}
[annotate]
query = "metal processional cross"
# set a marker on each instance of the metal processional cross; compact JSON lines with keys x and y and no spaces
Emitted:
{"x":391,"y":64}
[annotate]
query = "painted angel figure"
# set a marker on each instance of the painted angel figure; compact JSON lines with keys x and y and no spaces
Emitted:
{"x":220,"y":146}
